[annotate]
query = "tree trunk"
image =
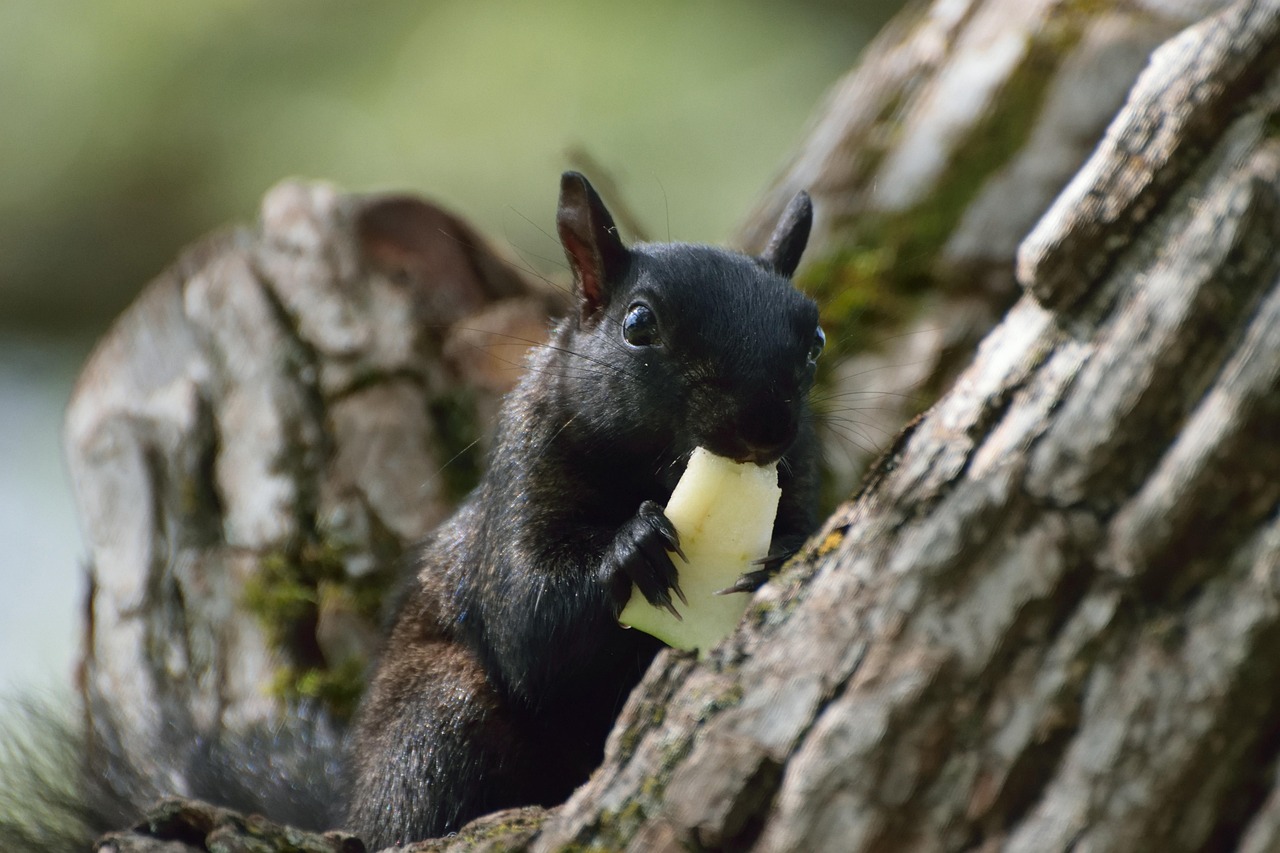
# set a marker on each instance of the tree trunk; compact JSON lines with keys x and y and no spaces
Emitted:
{"x":928,"y":163}
{"x":1050,"y":618}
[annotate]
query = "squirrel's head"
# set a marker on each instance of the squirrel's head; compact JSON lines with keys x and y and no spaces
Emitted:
{"x":682,"y":345}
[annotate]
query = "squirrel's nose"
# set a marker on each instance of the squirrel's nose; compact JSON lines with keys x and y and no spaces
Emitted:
{"x":765,"y":430}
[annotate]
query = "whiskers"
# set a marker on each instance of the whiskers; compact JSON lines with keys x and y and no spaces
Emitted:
{"x":670,"y":464}
{"x":582,"y":365}
{"x":555,"y":260}
{"x":865,"y":400}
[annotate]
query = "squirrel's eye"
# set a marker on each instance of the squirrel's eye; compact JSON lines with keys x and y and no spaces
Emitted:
{"x":640,"y":326}
{"x":819,"y":341}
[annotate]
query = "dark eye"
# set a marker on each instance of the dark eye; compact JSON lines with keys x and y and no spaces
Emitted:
{"x":640,"y":326}
{"x":819,"y":341}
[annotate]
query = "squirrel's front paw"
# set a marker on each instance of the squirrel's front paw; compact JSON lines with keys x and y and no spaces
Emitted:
{"x":640,"y":554}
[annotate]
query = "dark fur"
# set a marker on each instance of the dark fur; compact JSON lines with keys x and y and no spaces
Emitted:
{"x":61,"y":788}
{"x":507,"y":667}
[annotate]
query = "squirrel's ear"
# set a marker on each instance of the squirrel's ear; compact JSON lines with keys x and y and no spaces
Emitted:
{"x":782,"y":255}
{"x":590,"y":241}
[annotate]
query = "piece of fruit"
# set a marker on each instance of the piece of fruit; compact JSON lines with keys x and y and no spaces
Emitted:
{"x":724,"y":512}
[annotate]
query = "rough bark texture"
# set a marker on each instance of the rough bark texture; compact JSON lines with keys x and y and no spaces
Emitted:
{"x":928,"y":164}
{"x":258,"y":440}
{"x":175,"y":826}
{"x":1050,"y":619}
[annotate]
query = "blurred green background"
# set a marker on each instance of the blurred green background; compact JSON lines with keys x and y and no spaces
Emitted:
{"x":128,"y":128}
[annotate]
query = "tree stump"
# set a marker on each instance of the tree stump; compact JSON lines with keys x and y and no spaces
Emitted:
{"x":256,"y":443}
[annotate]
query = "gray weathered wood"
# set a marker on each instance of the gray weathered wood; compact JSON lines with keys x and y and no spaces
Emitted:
{"x":928,"y":163}
{"x":270,"y":413}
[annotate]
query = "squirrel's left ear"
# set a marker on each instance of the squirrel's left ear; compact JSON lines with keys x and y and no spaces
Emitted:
{"x":590,"y":241}
{"x":782,"y":255}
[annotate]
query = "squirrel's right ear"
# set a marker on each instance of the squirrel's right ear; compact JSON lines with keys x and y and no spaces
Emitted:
{"x":782,"y":255}
{"x":590,"y":239}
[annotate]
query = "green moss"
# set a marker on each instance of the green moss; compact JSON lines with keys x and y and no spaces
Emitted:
{"x":630,"y":738}
{"x":1271,"y":125}
{"x":768,"y":614}
{"x":869,"y":286}
{"x":996,"y":140}
{"x":277,"y":598}
{"x":337,"y":688}
{"x":368,"y":593}
{"x":454,"y":416}
{"x":730,"y":698}
{"x":284,"y":591}
{"x":873,"y":285}
{"x":615,"y":828}
{"x":862,"y":291}
{"x":284,"y":596}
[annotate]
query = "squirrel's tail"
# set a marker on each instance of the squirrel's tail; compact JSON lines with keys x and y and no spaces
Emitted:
{"x":44,"y":805}
{"x":61,"y":788}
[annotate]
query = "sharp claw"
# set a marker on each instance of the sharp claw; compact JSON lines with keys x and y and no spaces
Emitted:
{"x":675,"y":586}
{"x":679,"y":552}
{"x":778,"y":557}
{"x":671,"y":608}
{"x":661,"y":599}
{"x":740,"y":585}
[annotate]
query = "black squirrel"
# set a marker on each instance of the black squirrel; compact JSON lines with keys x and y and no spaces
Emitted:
{"x":507,"y":667}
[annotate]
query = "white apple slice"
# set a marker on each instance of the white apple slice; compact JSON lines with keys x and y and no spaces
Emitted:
{"x":724,"y":513}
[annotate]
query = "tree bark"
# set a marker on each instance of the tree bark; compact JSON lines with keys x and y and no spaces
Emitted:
{"x":1050,"y":618}
{"x":256,"y":443}
{"x":928,"y":164}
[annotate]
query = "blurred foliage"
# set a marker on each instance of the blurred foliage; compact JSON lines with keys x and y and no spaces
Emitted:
{"x":133,"y":126}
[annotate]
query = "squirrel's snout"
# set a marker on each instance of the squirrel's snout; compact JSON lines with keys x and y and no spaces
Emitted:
{"x":761,"y":433}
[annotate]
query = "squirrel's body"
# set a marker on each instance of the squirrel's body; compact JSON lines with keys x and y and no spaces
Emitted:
{"x":507,"y":667}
